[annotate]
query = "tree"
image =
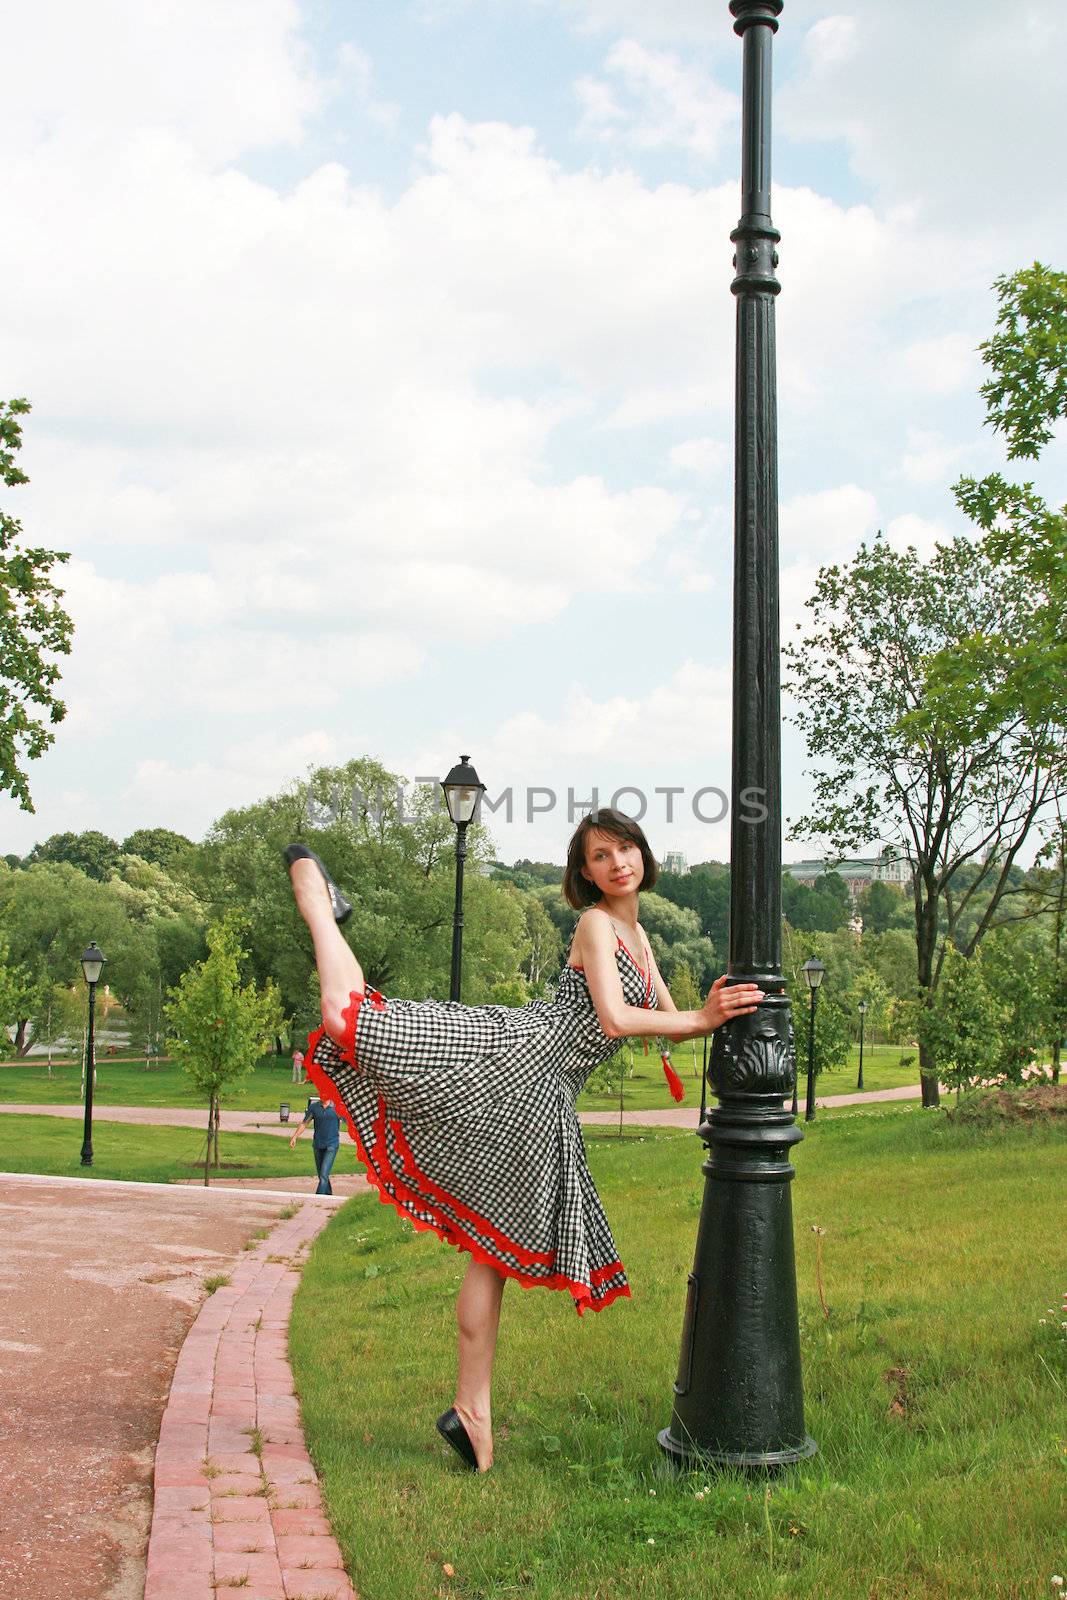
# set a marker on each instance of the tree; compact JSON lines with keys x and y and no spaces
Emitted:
{"x":160,"y":846}
{"x":34,"y":629}
{"x":219,"y":1027}
{"x":675,"y":937}
{"x":812,"y":907}
{"x":979,"y":701}
{"x":961,"y":1025}
{"x":1026,"y":395}
{"x":706,"y":890}
{"x":835,"y":1008}
{"x":12,"y":985}
{"x":91,"y":852}
{"x":880,"y":907}
{"x":400,"y":867}
{"x":50,"y":912}
{"x":687,"y":997}
{"x":546,"y":946}
{"x":961,"y":789}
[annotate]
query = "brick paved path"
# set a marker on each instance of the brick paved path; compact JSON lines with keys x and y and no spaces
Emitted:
{"x":237,"y":1503}
{"x":99,"y":1285}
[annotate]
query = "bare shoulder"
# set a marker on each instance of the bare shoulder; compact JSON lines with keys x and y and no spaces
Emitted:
{"x":592,"y":931}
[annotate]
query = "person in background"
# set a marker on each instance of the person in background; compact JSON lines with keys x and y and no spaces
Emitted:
{"x":324,"y":1141}
{"x":298,"y":1066}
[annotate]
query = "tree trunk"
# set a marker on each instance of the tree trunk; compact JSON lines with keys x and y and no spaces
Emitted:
{"x":1056,"y":1062}
{"x":207,"y":1147}
{"x":218,"y":1119}
{"x":925,"y":949}
{"x":21,"y":1044}
{"x":928,"y":1076}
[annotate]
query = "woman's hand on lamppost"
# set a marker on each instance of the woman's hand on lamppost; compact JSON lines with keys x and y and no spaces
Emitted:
{"x":729,"y":1000}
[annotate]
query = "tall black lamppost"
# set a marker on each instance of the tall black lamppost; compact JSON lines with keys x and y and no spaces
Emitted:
{"x":813,"y":971}
{"x":462,"y":793}
{"x":863,"y":1013}
{"x":738,"y":1398}
{"x":92,"y":966}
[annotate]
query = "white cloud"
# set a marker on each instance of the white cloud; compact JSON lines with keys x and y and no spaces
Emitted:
{"x":650,"y":100}
{"x":187,"y":797}
{"x":921,"y":533}
{"x":701,"y":456}
{"x":692,"y":20}
{"x":929,"y":459}
{"x":827,"y":525}
{"x":219,"y":79}
{"x":941,"y":365}
{"x":924,"y":102}
{"x":677,"y":733}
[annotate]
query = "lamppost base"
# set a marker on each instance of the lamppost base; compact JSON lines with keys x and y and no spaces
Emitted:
{"x":684,"y":1454}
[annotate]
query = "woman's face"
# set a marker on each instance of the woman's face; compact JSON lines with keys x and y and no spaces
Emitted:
{"x":612,"y":865}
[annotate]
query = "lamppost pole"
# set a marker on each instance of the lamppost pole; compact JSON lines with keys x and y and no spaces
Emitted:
{"x":92,"y":963}
{"x":457,"y":914}
{"x":863,"y":1013}
{"x":738,"y":1398}
{"x":462,"y":790}
{"x":809,"y":1099}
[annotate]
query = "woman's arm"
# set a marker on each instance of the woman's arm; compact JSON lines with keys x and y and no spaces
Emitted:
{"x":621,"y":1021}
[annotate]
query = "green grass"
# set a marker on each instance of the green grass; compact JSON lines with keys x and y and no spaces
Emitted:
{"x":52,"y":1145}
{"x":647,"y":1089}
{"x":936,"y":1398}
{"x":121,"y":1083}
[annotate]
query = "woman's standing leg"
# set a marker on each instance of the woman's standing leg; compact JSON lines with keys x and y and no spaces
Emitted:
{"x":340,"y":974}
{"x":478,"y":1317}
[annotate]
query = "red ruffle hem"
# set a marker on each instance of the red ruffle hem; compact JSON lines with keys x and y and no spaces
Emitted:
{"x":418,"y":1206}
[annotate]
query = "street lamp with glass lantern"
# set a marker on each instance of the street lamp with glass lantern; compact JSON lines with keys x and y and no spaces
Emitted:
{"x":813,"y":971}
{"x":863,"y":1013}
{"x":463,"y":790}
{"x":92,"y":965}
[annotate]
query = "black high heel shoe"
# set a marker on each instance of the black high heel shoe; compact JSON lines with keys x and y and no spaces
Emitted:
{"x":451,"y":1429}
{"x":342,"y":909}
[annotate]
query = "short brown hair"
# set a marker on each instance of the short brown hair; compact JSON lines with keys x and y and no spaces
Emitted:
{"x":577,"y":890}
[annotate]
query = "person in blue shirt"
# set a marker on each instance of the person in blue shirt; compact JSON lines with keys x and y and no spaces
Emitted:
{"x":324,"y":1140}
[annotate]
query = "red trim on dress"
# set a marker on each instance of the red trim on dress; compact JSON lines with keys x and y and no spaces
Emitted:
{"x":380,"y":1173}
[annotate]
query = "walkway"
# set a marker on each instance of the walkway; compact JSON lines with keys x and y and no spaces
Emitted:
{"x":103,"y":1304}
{"x":688,"y":1116}
{"x":685,"y":1116}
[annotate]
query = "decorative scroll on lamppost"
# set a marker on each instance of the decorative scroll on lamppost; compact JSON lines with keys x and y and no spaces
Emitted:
{"x":738,"y":1398}
{"x":463,"y":790}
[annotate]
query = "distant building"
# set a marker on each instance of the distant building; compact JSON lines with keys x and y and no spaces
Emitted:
{"x":859,"y":872}
{"x":675,"y":861}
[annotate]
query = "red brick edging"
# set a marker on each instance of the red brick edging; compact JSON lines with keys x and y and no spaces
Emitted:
{"x":237,"y":1505}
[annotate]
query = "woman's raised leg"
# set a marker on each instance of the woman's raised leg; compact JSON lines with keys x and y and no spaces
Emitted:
{"x":478,"y":1318}
{"x":340,"y":974}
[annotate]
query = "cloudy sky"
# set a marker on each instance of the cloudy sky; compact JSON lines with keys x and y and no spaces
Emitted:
{"x":381,"y":361}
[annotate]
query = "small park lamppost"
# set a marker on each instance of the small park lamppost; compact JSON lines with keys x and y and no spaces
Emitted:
{"x":863,"y":1013}
{"x":463,"y":790}
{"x":92,"y":965}
{"x":813,"y":971}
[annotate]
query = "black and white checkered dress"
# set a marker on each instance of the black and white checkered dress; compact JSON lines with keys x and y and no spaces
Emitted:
{"x":464,"y":1118}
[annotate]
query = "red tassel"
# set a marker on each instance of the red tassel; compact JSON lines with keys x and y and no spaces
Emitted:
{"x":674,"y":1082}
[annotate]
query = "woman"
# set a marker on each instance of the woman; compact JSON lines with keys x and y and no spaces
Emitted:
{"x":464,"y":1115}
